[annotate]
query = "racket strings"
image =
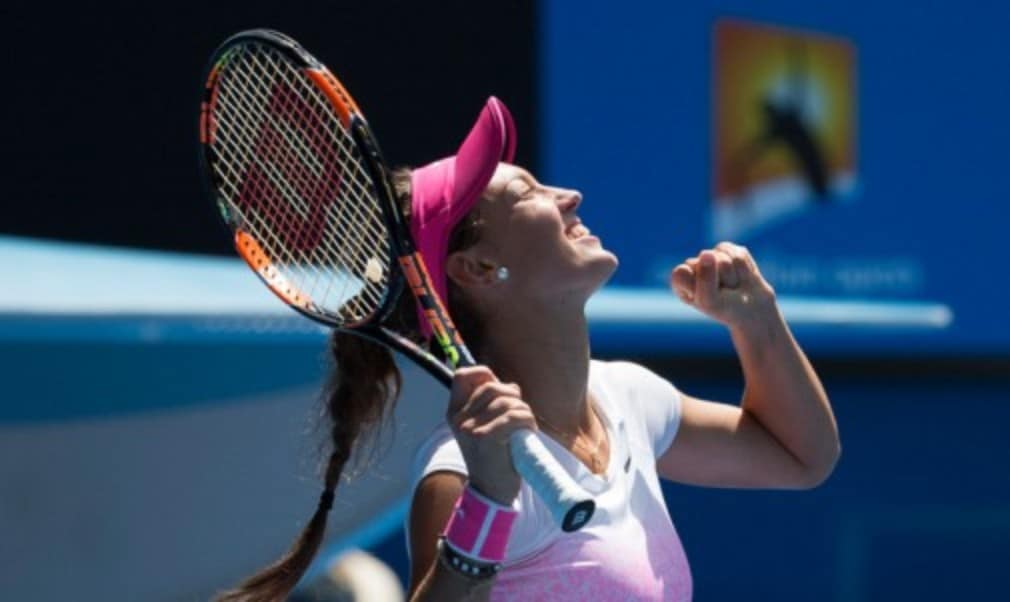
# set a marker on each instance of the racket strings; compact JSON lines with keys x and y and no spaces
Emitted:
{"x":349,"y":150}
{"x":291,"y":174}
{"x":360,"y":182}
{"x":265,"y":228}
{"x":295,"y":197}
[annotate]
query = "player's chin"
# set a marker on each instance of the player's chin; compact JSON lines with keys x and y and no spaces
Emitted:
{"x":590,"y":246}
{"x":601,"y":262}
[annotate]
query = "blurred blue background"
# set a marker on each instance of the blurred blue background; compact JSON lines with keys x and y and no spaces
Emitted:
{"x":628,"y":116}
{"x":157,"y":418}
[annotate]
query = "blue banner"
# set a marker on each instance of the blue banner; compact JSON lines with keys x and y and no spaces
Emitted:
{"x":856,"y":149}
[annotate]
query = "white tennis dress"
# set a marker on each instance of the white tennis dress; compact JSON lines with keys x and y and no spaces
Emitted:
{"x":630,"y":549}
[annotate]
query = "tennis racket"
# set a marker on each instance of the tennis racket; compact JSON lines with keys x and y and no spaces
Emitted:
{"x":298,"y":177}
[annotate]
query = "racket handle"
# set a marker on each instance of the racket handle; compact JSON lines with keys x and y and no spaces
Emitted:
{"x":570,"y":505}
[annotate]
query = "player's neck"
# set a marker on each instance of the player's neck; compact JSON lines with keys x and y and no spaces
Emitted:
{"x":547,"y":354}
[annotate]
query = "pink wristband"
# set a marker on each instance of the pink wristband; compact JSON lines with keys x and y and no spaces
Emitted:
{"x":479,"y":528}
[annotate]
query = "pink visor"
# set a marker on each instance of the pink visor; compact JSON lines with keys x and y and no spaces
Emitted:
{"x":443,"y":192}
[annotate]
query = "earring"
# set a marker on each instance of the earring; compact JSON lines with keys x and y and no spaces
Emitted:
{"x":502,"y":273}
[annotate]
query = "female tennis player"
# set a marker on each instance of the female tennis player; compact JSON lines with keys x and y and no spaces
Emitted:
{"x":516,"y":265}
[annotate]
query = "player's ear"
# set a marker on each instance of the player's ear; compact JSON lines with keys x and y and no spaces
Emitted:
{"x":468,"y":271}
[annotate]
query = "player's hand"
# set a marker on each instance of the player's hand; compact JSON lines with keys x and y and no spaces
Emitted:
{"x":483,"y":413}
{"x":725,"y":284}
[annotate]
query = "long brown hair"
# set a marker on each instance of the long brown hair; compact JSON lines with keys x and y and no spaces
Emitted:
{"x":362,"y":388}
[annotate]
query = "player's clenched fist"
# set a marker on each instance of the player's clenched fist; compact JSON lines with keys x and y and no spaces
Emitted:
{"x":483,"y":413}
{"x":725,"y":284}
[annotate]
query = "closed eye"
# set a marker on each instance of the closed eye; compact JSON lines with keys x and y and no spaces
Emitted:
{"x":521,"y":188}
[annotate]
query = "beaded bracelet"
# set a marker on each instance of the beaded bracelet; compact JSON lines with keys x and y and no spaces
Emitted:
{"x":467,"y":567}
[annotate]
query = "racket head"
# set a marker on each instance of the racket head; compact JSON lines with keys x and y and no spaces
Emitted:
{"x":282,"y":163}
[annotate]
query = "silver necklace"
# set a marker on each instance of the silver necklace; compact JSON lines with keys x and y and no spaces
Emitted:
{"x":594,"y":459}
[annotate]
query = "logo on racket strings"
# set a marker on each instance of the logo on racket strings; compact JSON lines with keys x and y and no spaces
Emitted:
{"x":294,"y":175}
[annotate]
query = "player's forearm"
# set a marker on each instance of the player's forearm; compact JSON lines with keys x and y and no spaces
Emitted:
{"x":785,"y":395}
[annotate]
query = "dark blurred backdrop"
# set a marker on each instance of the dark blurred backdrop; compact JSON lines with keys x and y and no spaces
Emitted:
{"x":99,"y":115}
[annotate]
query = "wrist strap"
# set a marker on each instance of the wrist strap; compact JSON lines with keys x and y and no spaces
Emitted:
{"x":479,"y":528}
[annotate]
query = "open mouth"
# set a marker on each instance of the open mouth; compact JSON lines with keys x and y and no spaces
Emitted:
{"x":576,"y":231}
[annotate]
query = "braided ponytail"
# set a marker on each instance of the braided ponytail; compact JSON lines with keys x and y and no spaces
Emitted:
{"x":361,"y":390}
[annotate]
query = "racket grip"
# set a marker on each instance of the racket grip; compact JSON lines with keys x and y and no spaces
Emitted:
{"x":570,"y":505}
